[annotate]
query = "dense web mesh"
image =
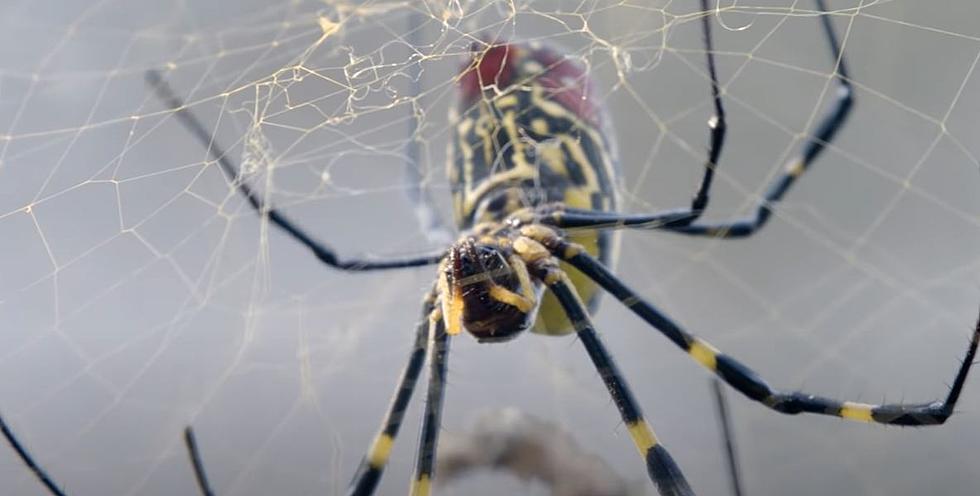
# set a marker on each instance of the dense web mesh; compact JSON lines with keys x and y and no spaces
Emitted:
{"x":139,"y":293}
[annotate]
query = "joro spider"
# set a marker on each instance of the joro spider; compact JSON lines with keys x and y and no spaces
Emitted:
{"x":532,"y":183}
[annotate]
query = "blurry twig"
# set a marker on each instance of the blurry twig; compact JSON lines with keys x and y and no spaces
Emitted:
{"x":531,"y":449}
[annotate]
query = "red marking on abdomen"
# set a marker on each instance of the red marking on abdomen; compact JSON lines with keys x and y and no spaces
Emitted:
{"x":502,"y":65}
{"x":493,"y":66}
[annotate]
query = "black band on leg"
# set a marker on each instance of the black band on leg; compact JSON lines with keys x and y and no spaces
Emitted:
{"x":826,"y":129}
{"x":197,"y":463}
{"x":432,"y":418}
{"x":369,"y":472}
{"x":663,"y":471}
{"x":745,"y":379}
{"x":683,"y":220}
{"x":25,"y":456}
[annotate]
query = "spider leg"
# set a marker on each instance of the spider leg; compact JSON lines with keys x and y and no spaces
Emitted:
{"x":747,"y":381}
{"x":663,"y":471}
{"x":431,"y":418}
{"x":682,"y":220}
{"x":190,"y":441}
{"x":728,"y":437}
{"x":369,"y":472}
{"x":53,"y":488}
{"x":561,"y":216}
{"x":716,"y":124}
{"x":28,"y":460}
{"x":826,"y":129}
{"x":322,"y":252}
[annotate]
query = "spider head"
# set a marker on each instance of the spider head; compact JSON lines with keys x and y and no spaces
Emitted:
{"x":498,"y":68}
{"x":487,"y":290}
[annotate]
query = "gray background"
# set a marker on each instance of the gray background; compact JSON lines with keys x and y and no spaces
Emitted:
{"x":139,"y":294}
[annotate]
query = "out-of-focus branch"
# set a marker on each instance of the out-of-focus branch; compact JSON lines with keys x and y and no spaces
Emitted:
{"x":532,"y":449}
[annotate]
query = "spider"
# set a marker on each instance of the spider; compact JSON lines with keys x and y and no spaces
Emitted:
{"x":532,"y":182}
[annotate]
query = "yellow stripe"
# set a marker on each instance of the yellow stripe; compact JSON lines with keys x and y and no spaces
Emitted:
{"x":464,"y":126}
{"x":454,"y":314}
{"x":539,"y":233}
{"x":856,"y":411}
{"x":552,"y":155}
{"x":555,"y":109}
{"x":512,"y":176}
{"x":572,"y":250}
{"x":452,"y":305}
{"x":421,"y":486}
{"x":795,"y":168}
{"x":642,"y":436}
{"x":527,"y":288}
{"x":511,"y":298}
{"x":540,"y":126}
{"x":515,"y":141}
{"x":380,"y":450}
{"x":509,"y":100}
{"x":578,"y":196}
{"x":485,"y":127}
{"x":577,"y":153}
{"x":704,"y":353}
{"x":530,"y":250}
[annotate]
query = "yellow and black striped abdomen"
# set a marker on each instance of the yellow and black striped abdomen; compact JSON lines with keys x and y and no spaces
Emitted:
{"x":528,"y":146}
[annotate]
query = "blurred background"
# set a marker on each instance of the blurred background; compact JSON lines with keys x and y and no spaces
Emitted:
{"x":140,"y":294}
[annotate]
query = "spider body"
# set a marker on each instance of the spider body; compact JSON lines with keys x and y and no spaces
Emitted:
{"x":529,"y":131}
{"x":490,"y":291}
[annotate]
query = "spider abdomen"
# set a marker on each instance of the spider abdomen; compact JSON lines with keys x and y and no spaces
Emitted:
{"x":529,"y":131}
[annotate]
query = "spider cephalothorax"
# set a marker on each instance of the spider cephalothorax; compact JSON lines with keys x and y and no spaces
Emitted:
{"x":487,"y":286}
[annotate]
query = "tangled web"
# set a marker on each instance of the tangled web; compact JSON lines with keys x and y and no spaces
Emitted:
{"x":139,"y":293}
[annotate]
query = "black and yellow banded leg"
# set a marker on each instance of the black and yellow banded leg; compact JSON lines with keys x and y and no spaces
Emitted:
{"x":716,"y":124}
{"x":672,"y":218}
{"x":320,"y":250}
{"x":748,"y":382}
{"x":559,"y":215}
{"x":826,"y":129}
{"x":425,"y":461}
{"x":681,"y":220}
{"x":572,"y":218}
{"x":663,"y":471}
{"x":369,"y":472}
{"x":681,"y":217}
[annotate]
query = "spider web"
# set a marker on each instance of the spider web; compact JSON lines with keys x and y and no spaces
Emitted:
{"x":139,"y":293}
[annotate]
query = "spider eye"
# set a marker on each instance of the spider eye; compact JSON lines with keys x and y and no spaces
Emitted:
{"x":493,"y":260}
